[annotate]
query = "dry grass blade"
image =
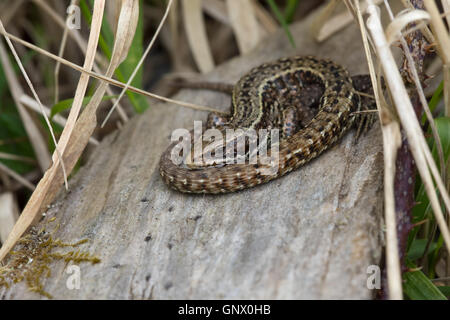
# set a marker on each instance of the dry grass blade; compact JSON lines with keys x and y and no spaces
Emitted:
{"x":446,"y":7}
{"x":16,"y":177}
{"x":51,"y":182}
{"x":417,"y":142}
{"x":73,"y":33}
{"x":8,"y":156}
{"x":33,"y":105}
{"x":443,"y":43}
{"x":243,"y":21}
{"x":84,"y":79}
{"x":110,"y":80}
{"x":36,"y":96}
{"x":391,"y":142}
{"x":81,"y":44}
{"x":217,"y":9}
{"x":37,"y":141}
{"x":9,"y":9}
{"x":393,"y":33}
{"x":9,"y":213}
{"x":62,"y":48}
{"x":319,"y":22}
{"x":425,"y":30}
{"x":325,"y":26}
{"x":174,"y":43}
{"x":269,"y":24}
{"x":196,"y":33}
{"x":141,"y":61}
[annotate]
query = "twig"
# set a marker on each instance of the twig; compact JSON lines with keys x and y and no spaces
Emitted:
{"x":108,"y":79}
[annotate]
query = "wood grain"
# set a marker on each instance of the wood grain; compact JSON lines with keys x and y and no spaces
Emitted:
{"x":309,"y":235}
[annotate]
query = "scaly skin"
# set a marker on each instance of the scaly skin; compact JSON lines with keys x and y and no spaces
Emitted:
{"x":260,"y":99}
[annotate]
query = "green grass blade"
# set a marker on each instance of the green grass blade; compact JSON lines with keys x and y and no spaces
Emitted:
{"x":289,"y":12}
{"x":66,"y":104}
{"x":418,"y":287}
{"x":418,"y":247}
{"x":445,"y":290}
{"x":281,"y":20}
{"x":106,"y":42}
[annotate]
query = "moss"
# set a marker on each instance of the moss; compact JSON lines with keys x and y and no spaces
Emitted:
{"x":34,"y":254}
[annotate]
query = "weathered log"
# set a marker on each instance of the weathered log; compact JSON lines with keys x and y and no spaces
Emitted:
{"x":311,"y":234}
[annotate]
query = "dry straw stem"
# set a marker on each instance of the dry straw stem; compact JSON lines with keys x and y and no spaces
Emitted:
{"x":111,"y":81}
{"x":417,"y":142}
{"x":320,"y":22}
{"x":9,"y":213}
{"x":446,"y":7}
{"x":174,"y":30}
{"x":17,"y":177}
{"x":218,"y":10}
{"x":324,"y":26}
{"x":141,"y":61}
{"x":194,"y":25}
{"x":393,"y":33}
{"x":244,"y":23}
{"x":14,"y":186}
{"x":84,"y":79}
{"x":443,"y":43}
{"x":266,"y":20}
{"x":36,"y":96}
{"x":62,"y":48}
{"x":33,"y":105}
{"x":37,"y":140}
{"x":9,"y":156}
{"x":9,"y":9}
{"x":81,"y":44}
{"x":73,"y":33}
{"x":50,"y":184}
{"x":87,"y":122}
{"x":425,"y":30}
{"x":391,"y":142}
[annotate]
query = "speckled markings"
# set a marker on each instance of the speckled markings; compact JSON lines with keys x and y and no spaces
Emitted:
{"x":270,"y":96}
